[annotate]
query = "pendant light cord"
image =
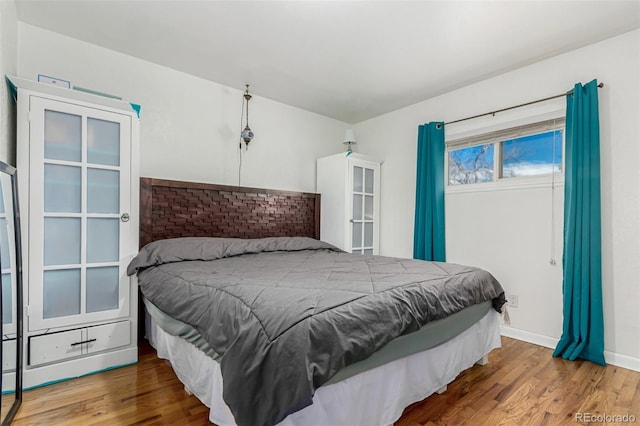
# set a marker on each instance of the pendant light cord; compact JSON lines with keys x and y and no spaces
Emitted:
{"x":240,"y":141}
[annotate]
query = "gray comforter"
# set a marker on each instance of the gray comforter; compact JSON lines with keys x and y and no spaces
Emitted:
{"x":286,"y":314}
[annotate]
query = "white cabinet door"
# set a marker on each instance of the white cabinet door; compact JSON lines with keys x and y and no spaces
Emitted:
{"x":350,"y":200}
{"x":79,"y":206}
{"x":363,"y":189}
{"x":108,"y":336}
{"x":55,"y":347}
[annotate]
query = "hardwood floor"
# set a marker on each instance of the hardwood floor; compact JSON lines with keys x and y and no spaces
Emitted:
{"x":522,"y":384}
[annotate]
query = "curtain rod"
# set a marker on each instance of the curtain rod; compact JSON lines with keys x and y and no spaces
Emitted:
{"x":601,"y":85}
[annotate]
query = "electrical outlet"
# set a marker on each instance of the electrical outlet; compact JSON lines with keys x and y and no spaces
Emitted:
{"x":512,"y":300}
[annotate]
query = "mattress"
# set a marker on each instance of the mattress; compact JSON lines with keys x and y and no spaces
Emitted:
{"x":376,"y":396}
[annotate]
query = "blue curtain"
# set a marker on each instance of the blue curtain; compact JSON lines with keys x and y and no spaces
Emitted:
{"x":583,"y":325}
{"x":428,"y":237}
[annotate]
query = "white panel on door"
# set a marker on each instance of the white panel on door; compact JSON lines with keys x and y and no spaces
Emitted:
{"x":5,"y":262}
{"x":62,"y":136}
{"x":357,"y":206}
{"x":9,"y":350}
{"x":102,"y":240}
{"x":61,"y":293}
{"x":7,"y":299}
{"x":108,"y":336}
{"x":368,"y":207}
{"x":368,"y":234}
{"x":103,"y":191}
{"x":62,"y":241}
{"x":103,"y":140}
{"x":357,"y":179}
{"x":102,"y":289}
{"x":368,"y":180}
{"x":55,"y":346}
{"x":62,"y":188}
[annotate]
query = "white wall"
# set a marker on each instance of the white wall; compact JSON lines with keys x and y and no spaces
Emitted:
{"x":508,"y":232}
{"x":8,"y":65}
{"x":190,"y":127}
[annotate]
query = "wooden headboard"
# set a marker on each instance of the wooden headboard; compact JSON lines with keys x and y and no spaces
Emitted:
{"x":171,"y":209}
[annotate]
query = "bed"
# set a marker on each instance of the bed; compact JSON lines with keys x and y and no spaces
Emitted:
{"x":289,"y":329}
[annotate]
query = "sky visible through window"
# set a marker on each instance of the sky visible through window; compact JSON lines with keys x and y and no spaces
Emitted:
{"x":531,"y":155}
{"x":539,"y":154}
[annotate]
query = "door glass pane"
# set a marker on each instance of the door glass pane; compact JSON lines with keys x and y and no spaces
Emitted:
{"x":368,"y":181}
{"x":5,"y":261}
{"x":103,"y":191}
{"x":103,"y":142}
{"x":368,"y":251}
{"x":358,"y":251}
{"x":7,"y":299}
{"x":102,"y":289}
{"x":103,"y":240}
{"x":357,"y":235}
{"x":368,"y":234}
{"x":357,"y":179}
{"x":368,"y":207}
{"x":62,"y":136}
{"x":62,"y":186}
{"x":61,"y":241}
{"x":357,"y":207}
{"x":61,"y":293}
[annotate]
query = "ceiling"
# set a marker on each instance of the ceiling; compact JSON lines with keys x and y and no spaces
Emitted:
{"x":349,"y":60}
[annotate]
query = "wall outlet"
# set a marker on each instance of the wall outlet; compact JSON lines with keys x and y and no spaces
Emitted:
{"x":512,"y":300}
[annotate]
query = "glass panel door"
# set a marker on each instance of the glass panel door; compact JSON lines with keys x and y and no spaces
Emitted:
{"x":80,"y":157}
{"x":362,"y":208}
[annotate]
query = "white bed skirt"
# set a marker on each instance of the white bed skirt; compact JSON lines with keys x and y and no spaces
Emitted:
{"x":374,"y":397}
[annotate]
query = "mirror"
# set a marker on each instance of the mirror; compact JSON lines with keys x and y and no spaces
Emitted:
{"x":11,"y":295}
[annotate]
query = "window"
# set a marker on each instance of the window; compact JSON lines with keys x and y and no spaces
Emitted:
{"x":530,"y":150}
{"x":471,"y":165}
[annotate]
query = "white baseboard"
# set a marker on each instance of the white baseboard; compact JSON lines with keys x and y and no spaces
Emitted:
{"x":624,"y":361}
{"x":612,"y":358}
{"x":65,"y":370}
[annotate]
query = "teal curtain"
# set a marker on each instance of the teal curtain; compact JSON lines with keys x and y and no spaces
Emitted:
{"x":428,"y":237}
{"x":583,"y":325}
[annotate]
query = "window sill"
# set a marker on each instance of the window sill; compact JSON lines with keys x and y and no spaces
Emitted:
{"x":509,"y":184}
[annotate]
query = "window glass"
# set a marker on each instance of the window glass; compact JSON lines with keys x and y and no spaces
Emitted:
{"x":534,"y":149}
{"x":532,"y":155}
{"x":474,"y":164}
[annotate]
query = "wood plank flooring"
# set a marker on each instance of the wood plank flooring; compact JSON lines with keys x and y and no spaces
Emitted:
{"x":521,"y":385}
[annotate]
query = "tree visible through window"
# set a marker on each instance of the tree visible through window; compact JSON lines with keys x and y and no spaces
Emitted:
{"x":471,"y":165}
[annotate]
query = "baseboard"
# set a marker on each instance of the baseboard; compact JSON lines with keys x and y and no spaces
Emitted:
{"x":527,"y":336}
{"x":624,"y":361}
{"x":613,"y":358}
{"x":71,"y":369}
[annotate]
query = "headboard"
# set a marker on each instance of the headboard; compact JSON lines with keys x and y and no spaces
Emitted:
{"x":171,"y":209}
